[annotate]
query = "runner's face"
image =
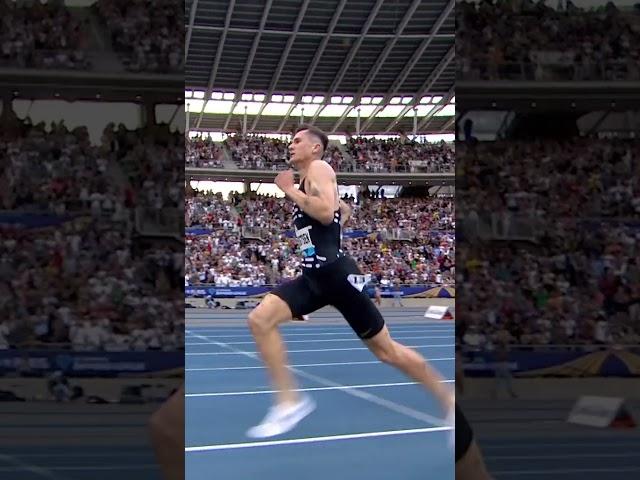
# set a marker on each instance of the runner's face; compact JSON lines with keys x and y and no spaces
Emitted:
{"x":303,"y":147}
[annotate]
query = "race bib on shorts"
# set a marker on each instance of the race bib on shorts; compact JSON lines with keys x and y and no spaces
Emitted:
{"x":358,"y":281}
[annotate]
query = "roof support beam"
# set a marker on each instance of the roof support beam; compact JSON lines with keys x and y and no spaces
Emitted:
{"x":350,"y":56}
{"x":192,"y":18}
{"x":314,"y":63}
{"x":444,"y":36}
{"x":445,"y":101}
{"x":283,"y":60}
{"x":216,"y":62}
{"x":247,"y":67}
{"x":380,"y":61}
{"x":426,"y":86}
{"x":449,"y":124}
{"x":414,"y":59}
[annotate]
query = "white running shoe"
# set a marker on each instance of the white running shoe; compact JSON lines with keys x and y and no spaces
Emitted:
{"x":281,"y":419}
{"x":451,"y":422}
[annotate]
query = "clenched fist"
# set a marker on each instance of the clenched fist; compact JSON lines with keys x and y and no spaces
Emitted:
{"x":285,"y":181}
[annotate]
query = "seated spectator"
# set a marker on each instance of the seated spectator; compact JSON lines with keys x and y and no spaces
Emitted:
{"x":148,"y":35}
{"x":535,"y":41}
{"x":42,"y":35}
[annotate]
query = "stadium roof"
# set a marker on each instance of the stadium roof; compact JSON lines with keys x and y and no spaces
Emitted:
{"x":387,"y":56}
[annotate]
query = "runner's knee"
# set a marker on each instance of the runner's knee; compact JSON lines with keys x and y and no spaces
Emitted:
{"x":267,"y":315}
{"x":387,"y":353}
{"x":258,"y":323}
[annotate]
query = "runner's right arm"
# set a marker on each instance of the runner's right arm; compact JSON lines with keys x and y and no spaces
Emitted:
{"x":345,"y":212}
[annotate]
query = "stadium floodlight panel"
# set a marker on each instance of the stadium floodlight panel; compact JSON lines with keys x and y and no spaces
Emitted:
{"x":276,"y":109}
{"x":436,"y":99}
{"x":365,"y":111}
{"x":309,"y":109}
{"x":336,"y":99}
{"x":188,"y":94}
{"x":289,"y":98}
{"x":406,"y":100}
{"x":216,"y":106}
{"x":447,"y":111}
{"x":376,"y":100}
{"x":195,"y":106}
{"x":333,"y":111}
{"x":259,"y":97}
{"x":340,"y":138}
{"x":395,"y":100}
{"x":307,"y":99}
{"x":276,"y":98}
{"x":365,"y":100}
{"x":252,"y":108}
{"x":247,"y":97}
{"x":391,"y":111}
{"x":425,"y":100}
{"x":318,"y":99}
{"x":347,"y":99}
{"x":217,"y":95}
{"x":229,"y":96}
{"x":198,"y":94}
{"x":423,"y":110}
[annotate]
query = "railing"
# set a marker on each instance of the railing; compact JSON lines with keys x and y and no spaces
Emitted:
{"x":258,"y":233}
{"x":414,"y":166}
{"x":548,"y":66}
{"x":583,"y":347}
{"x":401,"y":234}
{"x":501,"y":226}
{"x":168,"y":222}
{"x":43,"y":58}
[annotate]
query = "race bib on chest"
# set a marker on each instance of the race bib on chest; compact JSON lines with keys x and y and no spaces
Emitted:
{"x":305,"y":245}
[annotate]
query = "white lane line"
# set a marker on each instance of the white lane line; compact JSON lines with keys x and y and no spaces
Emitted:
{"x":388,"y":404}
{"x":112,"y":454}
{"x":565,"y":470}
{"x":558,"y":457}
{"x":318,"y":329}
{"x":235,"y":352}
{"x":350,"y":333}
{"x":308,"y":389}
{"x":74,"y":468}
{"x":20,"y":466}
{"x":330,"y":364}
{"x":321,"y":340}
{"x":581,"y":444}
{"x":329,"y":438}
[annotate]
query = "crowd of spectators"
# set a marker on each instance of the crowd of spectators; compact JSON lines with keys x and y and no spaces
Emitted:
{"x":394,"y":155}
{"x":258,"y":153}
{"x":577,"y":281}
{"x":527,"y":40}
{"x":147,"y":34}
{"x":203,"y":153}
{"x":37,"y":35}
{"x":71,"y":271}
{"x":153,"y":158}
{"x":594,"y":176}
{"x":229,"y":256}
{"x":363,"y":155}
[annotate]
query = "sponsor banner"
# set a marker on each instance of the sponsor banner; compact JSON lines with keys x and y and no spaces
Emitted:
{"x":556,"y":361}
{"x":89,"y":363}
{"x":32,"y":220}
{"x":415,"y":291}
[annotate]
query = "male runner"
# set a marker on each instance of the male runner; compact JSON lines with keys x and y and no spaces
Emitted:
{"x":167,"y":436}
{"x":329,"y":277}
{"x":469,"y":462}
